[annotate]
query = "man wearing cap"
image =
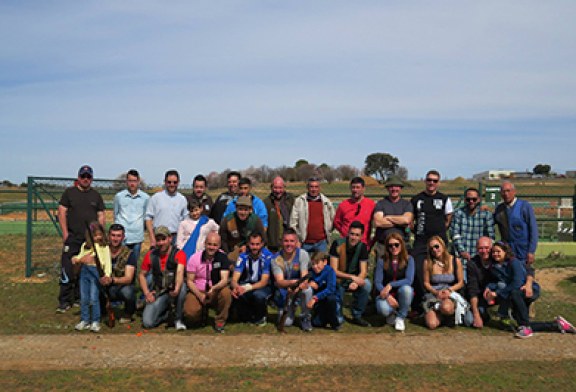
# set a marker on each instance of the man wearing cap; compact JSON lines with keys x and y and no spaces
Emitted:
{"x":79,"y":205}
{"x":392,"y":214}
{"x":129,"y":211}
{"x":356,"y":208}
{"x":166,"y":265}
{"x":312,"y":217}
{"x":166,"y":208}
{"x":258,"y":207}
{"x":236,"y":228}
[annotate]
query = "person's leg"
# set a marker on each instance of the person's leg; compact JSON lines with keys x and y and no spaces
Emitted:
{"x":383,"y":308}
{"x":192,"y":310}
{"x":69,"y":279}
{"x":305,"y":297}
{"x":331,"y":311}
{"x":360,"y":299}
{"x":223,"y":300}
{"x":520,"y":307}
{"x":260,"y":302}
{"x":156,"y":312}
{"x":127,"y":294}
{"x":84,"y":295}
{"x":94,"y":294}
{"x":136,"y":248}
{"x":405,"y":296}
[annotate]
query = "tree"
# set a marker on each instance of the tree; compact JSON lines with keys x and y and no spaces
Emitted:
{"x":327,"y":172}
{"x":542,"y":169}
{"x":346,"y":172}
{"x":304,"y":172}
{"x":300,"y":162}
{"x":380,"y":165}
{"x":402,"y":172}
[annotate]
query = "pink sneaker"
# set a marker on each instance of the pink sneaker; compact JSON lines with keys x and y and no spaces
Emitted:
{"x":564,"y":325}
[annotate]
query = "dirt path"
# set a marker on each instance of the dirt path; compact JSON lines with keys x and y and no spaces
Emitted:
{"x":462,"y":345}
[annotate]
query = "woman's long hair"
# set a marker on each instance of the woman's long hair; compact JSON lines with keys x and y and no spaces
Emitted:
{"x":95,"y":227}
{"x":402,"y":256}
{"x":445,"y":257}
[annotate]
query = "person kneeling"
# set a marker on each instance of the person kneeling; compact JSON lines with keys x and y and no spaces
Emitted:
{"x":325,"y":302}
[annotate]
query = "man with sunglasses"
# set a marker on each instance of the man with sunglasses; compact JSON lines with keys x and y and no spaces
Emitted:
{"x":166,"y":208}
{"x":356,"y":208}
{"x":79,"y":204}
{"x":468,"y":225}
{"x":432,"y":215}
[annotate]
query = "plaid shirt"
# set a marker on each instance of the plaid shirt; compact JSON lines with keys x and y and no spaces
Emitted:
{"x":466,"y":229}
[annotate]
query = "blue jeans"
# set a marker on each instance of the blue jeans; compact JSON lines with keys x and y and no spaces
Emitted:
{"x":89,"y":293}
{"x":404,"y":296}
{"x":126,"y":294}
{"x":252,"y":306}
{"x":158,"y":311}
{"x":360,"y":298}
{"x":326,"y":312}
{"x":320,"y":246}
{"x":136,"y":248}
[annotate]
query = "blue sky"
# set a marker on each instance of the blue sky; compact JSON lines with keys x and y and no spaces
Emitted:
{"x":460,"y":86}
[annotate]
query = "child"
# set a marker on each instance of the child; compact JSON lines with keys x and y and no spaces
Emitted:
{"x":193,"y":229}
{"x":325,"y":302}
{"x":89,"y":277}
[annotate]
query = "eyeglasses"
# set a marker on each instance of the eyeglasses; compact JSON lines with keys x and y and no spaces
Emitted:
{"x":435,"y":246}
{"x":393,"y":245}
{"x":471,"y":199}
{"x":88,"y":176}
{"x":432,"y":180}
{"x":172,"y":182}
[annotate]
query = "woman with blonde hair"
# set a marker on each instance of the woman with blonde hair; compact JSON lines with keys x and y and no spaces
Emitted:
{"x":393,"y":279}
{"x":443,"y":278}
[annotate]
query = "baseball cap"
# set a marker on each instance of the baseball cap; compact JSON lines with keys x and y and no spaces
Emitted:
{"x":85,"y":170}
{"x":163,"y":231}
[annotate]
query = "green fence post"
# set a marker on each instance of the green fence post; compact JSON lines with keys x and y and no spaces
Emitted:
{"x":29,"y":228}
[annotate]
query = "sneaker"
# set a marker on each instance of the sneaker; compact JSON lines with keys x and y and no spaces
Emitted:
{"x":337,"y":327}
{"x":125,"y":320}
{"x":524,"y":332}
{"x":180,"y":326}
{"x":399,"y":324}
{"x":361,"y":322}
{"x":76,"y":304}
{"x":391,"y":319}
{"x":306,"y":324}
{"x":82,"y":326}
{"x":564,"y":325}
{"x":219,"y":327}
{"x":95,"y":327}
{"x":261,"y":323}
{"x":63,"y":308}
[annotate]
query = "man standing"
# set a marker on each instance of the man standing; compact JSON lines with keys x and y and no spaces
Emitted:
{"x":258,"y":207}
{"x":288,"y":267}
{"x":479,"y":276}
{"x":121,"y":284}
{"x":199,"y":186}
{"x":129,"y":211}
{"x":432,"y":216}
{"x":250,"y":281}
{"x":166,"y":208}
{"x":217,"y":212}
{"x":79,"y":205}
{"x":167,"y":264}
{"x":312,"y":217}
{"x":356,"y":208}
{"x":468,"y":225}
{"x":349,"y":258}
{"x":237,"y":227}
{"x":392,"y":215}
{"x":279,"y":206}
{"x":208,"y":271}
{"x":517,"y":224}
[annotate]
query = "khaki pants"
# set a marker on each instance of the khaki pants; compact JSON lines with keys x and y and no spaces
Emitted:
{"x":221,"y":301}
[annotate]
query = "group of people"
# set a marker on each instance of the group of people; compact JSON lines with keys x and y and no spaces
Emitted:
{"x":239,"y":253}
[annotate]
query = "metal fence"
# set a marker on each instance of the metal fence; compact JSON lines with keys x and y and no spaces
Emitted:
{"x":554,"y":210}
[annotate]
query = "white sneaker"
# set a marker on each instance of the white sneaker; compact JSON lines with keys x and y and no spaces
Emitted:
{"x":399,"y":324}
{"x":180,"y":326}
{"x":82,"y":325}
{"x":95,"y":327}
{"x":391,"y":319}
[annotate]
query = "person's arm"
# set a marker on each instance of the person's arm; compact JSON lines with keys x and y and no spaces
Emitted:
{"x":456,"y":231}
{"x":426,"y":278}
{"x":448,"y":212}
{"x":339,"y":220}
{"x":149,"y":220}
{"x":148,"y":294}
{"x":379,"y":276}
{"x":447,"y":220}
{"x":294,"y":218}
{"x":459,"y":276}
{"x":182,"y":235}
{"x":282,"y":283}
{"x":116,"y":208}
{"x":261,"y":211}
{"x":478,"y":322}
{"x":150,"y":228}
{"x":190,"y":276}
{"x":263,"y":282}
{"x":331,"y":213}
{"x":489,"y":229}
{"x":330,"y":286}
{"x":224,"y":274}
{"x":517,"y":279}
{"x":127,"y":278}
{"x":179,"y":280}
{"x":63,"y":221}
{"x":532,"y":234}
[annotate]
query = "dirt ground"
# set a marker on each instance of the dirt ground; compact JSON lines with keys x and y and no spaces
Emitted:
{"x":41,"y":352}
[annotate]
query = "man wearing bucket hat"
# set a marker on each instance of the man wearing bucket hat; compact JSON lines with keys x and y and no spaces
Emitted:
{"x":392,"y":214}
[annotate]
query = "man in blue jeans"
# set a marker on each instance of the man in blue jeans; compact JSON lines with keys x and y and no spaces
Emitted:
{"x":349,"y":258}
{"x":120,"y":285}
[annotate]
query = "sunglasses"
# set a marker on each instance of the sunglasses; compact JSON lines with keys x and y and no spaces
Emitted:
{"x":88,"y":176}
{"x":172,"y":182}
{"x":432,"y":180}
{"x":435,"y":246}
{"x":393,"y":245}
{"x":471,"y":199}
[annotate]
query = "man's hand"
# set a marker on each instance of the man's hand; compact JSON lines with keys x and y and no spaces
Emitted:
{"x":530,"y":259}
{"x":174,"y":293}
{"x":353,"y":286}
{"x":359,"y":281}
{"x":385,"y":292}
{"x":465,"y":255}
{"x":478,"y":322}
{"x":106,"y":281}
{"x":444,"y":294}
{"x":150,"y":297}
{"x":527,"y":289}
{"x":310,"y":304}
